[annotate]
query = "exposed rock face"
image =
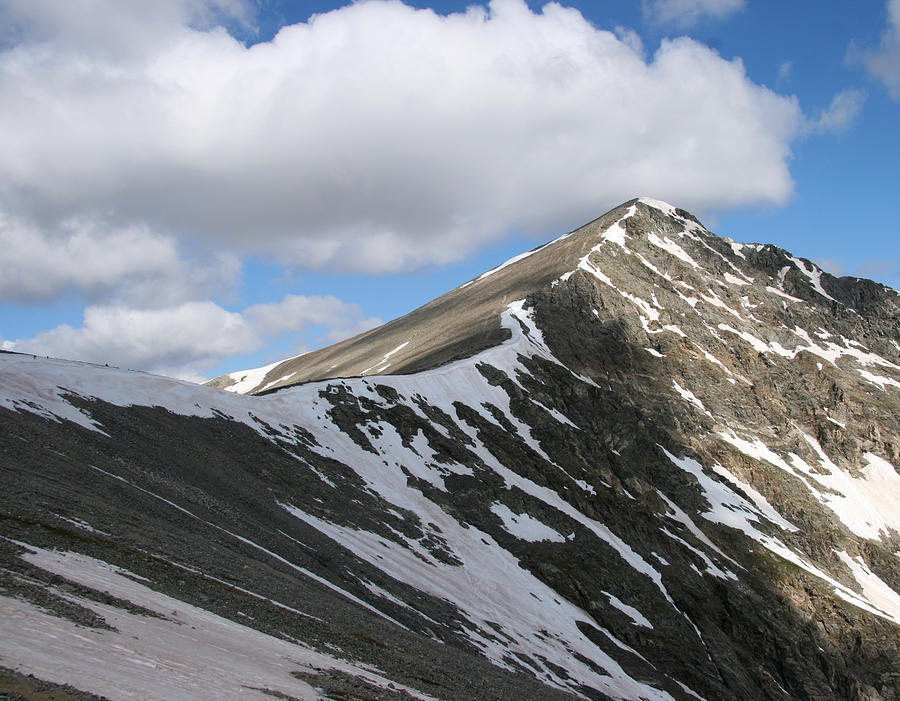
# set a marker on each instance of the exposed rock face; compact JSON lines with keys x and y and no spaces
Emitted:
{"x":660,"y":465}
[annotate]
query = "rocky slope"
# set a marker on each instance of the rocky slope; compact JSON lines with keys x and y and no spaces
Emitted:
{"x":640,"y":462}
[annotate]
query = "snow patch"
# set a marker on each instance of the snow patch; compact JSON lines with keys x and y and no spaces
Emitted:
{"x":688,"y":396}
{"x":869,"y":506}
{"x":630,"y":611}
{"x":378,"y":366}
{"x":663,"y":207}
{"x":616,"y":233}
{"x":734,"y":280}
{"x":814,"y":274}
{"x":882,"y":382}
{"x":246,"y":380}
{"x":171,"y":657}
{"x":669,"y":246}
{"x":873,"y":587}
{"x":525,"y":526}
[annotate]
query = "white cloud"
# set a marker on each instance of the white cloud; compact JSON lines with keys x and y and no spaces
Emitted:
{"x":372,"y":138}
{"x":295,"y":312}
{"x":188,"y":339}
{"x":632,"y":40}
{"x":687,"y":13}
{"x":884,"y":63}
{"x":843,"y":111}
{"x":176,"y":341}
{"x":113,"y":28}
{"x":131,"y":264}
{"x":785,"y":70}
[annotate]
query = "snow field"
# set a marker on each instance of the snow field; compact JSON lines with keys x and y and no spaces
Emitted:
{"x":868,"y":506}
{"x":506,"y":607}
{"x":541,"y":634}
{"x":524,"y":526}
{"x":186,"y":654}
{"x":493,"y":598}
{"x":246,"y":380}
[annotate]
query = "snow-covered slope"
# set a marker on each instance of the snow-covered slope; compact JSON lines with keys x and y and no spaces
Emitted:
{"x":675,"y":478}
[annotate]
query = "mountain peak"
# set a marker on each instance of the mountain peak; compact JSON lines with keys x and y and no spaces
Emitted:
{"x":635,"y":252}
{"x":640,"y":462}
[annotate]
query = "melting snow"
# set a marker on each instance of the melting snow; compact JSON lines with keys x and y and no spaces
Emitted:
{"x":669,"y":246}
{"x":879,"y":380}
{"x":687,"y":395}
{"x":246,"y":380}
{"x":171,"y":657}
{"x":734,"y":280}
{"x":510,"y":610}
{"x":731,"y":509}
{"x":759,"y":501}
{"x":525,"y":526}
{"x":616,"y":233}
{"x":630,"y":611}
{"x":714,"y":299}
{"x":381,"y":364}
{"x":781,"y":293}
{"x":873,"y":588}
{"x":246,"y":541}
{"x":80,"y":523}
{"x":869,"y":506}
{"x":814,"y":275}
{"x":663,"y":207}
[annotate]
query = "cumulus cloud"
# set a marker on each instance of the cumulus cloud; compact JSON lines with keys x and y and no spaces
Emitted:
{"x":296,"y":312}
{"x":687,"y":13}
{"x":111,"y":27}
{"x":131,"y":264}
{"x":883,"y":63}
{"x":843,"y":111}
{"x":188,"y":339}
{"x":371,"y":138}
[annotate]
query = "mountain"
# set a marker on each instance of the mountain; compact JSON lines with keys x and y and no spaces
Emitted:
{"x":639,"y":462}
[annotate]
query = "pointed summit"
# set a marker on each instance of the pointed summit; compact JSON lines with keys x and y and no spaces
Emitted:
{"x":639,"y":462}
{"x":641,"y":251}
{"x":461,"y":322}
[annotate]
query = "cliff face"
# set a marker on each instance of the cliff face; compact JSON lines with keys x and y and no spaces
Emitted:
{"x":641,"y":461}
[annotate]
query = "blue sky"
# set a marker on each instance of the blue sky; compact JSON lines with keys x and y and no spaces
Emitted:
{"x":193,"y":187}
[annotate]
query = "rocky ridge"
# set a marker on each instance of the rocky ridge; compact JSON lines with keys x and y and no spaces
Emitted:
{"x":641,"y":461}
